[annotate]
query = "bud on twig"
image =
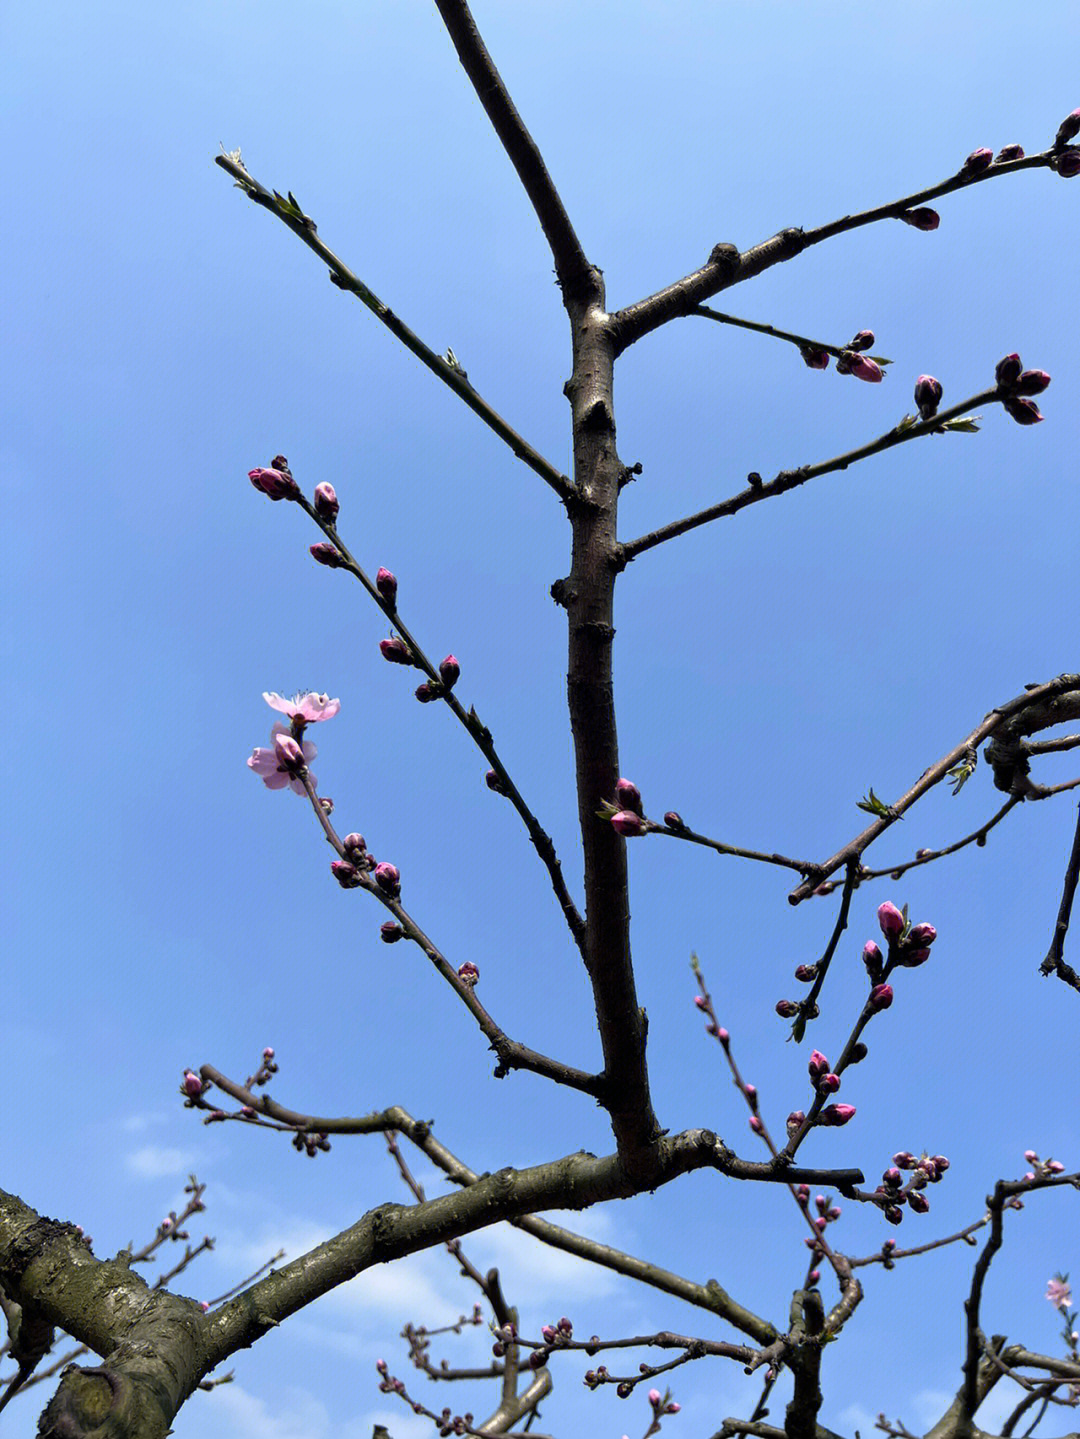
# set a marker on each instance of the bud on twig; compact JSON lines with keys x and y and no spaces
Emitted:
{"x":326,"y":503}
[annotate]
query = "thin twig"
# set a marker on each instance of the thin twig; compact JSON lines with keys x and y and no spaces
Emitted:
{"x":1054,"y":962}
{"x":802,"y":341}
{"x":303,"y":226}
{"x":792,"y":479}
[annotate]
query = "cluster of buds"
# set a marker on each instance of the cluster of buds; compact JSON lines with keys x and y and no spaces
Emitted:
{"x":504,"y":1334}
{"x":827,"y":1213}
{"x":626,"y":813}
{"x":662,"y":1403}
{"x":555,"y":1336}
{"x":852,"y":361}
{"x":449,"y":673}
{"x":265,"y":1072}
{"x":825,"y":1082}
{"x":1042,"y":1168}
{"x":388,"y":1385}
{"x":791,"y":1008}
{"x":909,"y":945}
{"x":275,"y":481}
{"x":1015,"y":384}
{"x":1066,"y":156}
{"x":310,"y":1144}
{"x":893,"y":1193}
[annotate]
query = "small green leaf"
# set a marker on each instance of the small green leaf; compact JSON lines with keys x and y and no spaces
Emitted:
{"x":962,"y":772}
{"x":872,"y":805}
{"x":906,"y":423}
{"x":963,"y":424}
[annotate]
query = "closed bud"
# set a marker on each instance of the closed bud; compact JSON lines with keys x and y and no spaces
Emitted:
{"x":1031,"y":1156}
{"x":872,"y":959}
{"x":905,"y":1159}
{"x":922,"y":935}
{"x":862,"y":341}
{"x":1067,"y":163}
{"x":921,"y":219}
{"x":750,"y":1091}
{"x":346,"y":874}
{"x":836,"y":1114}
{"x":787,"y":1008}
{"x":326,"y":503}
{"x":276,"y":484}
{"x":927,"y":396}
{"x":893,"y":1213}
{"x":328,"y":555}
{"x":881,"y":996}
{"x":193,"y":1085}
{"x":1054,"y":1166}
{"x":940,"y":1163}
{"x":396,"y":651}
{"x":386,"y":584}
{"x":388,"y":878}
{"x":795,"y":1120}
{"x":425,"y":694}
{"x":828,"y":1083}
{"x":390,"y":932}
{"x":1068,"y":129}
{"x":857,"y":1053}
{"x":1009,"y":152}
{"x":891,"y":920}
{"x":978,"y":161}
{"x":818,"y":1065}
{"x":756,"y":1124}
{"x":806,"y":973}
{"x":354,"y":844}
{"x":1032,"y":382}
{"x":863,"y":368}
{"x":1024,"y":412}
{"x":493,"y":782}
{"x":918,"y":1202}
{"x":449,"y":671}
{"x":814,"y":359}
{"x":628,"y":796}
{"x":628,"y":824}
{"x":1008,"y":371}
{"x":892,"y":1177}
{"x":468,"y":973}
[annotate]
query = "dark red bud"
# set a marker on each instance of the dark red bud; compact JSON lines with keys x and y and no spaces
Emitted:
{"x":1068,"y":163}
{"x":396,"y":651}
{"x":1024,"y":412}
{"x":425,"y":694}
{"x":390,"y":932}
{"x":814,"y":359}
{"x":921,"y":219}
{"x":1008,"y":371}
{"x":493,"y":782}
{"x":978,"y":161}
{"x":862,"y":341}
{"x":388,"y":878}
{"x":1032,"y":382}
{"x":918,"y":1202}
{"x":787,"y":1008}
{"x":326,"y":503}
{"x":386,"y":584}
{"x":346,"y":874}
{"x":328,"y":555}
{"x":449,"y":671}
{"x":1009,"y":152}
{"x":806,"y":973}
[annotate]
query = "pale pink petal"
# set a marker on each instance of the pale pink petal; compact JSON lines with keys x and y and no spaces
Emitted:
{"x":263,"y":761}
{"x":297,"y":785}
{"x":276,"y":702}
{"x":278,"y":780}
{"x":313,"y":707}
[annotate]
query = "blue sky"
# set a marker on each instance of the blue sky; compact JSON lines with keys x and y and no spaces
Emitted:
{"x":165,"y":336}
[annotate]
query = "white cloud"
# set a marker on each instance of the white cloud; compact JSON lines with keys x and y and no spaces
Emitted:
{"x":155,"y":1161}
{"x":231,"y":1412}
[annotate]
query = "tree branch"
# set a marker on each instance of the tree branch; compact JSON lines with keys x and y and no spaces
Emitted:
{"x":1054,"y":963}
{"x":571,"y":266}
{"x":792,"y":479}
{"x":451,"y":375}
{"x":726,"y":267}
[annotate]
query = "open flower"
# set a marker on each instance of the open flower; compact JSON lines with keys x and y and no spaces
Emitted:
{"x":308,"y":708}
{"x":272,"y":766}
{"x":1058,"y":1292}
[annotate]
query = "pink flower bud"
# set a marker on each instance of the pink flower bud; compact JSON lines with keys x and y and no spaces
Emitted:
{"x":289,"y":754}
{"x":756,"y":1124}
{"x":654,"y":1398}
{"x":894,"y":1214}
{"x":814,"y":1276}
{"x":268,"y":1053}
{"x":922,"y":935}
{"x":904,"y":1159}
{"x":346,"y":874}
{"x":396,"y":651}
{"x":468,"y":973}
{"x":723,"y":1036}
{"x":921,"y":219}
{"x":390,"y":932}
{"x":193,"y":1085}
{"x":493,"y":782}
{"x":814,"y":359}
{"x":940,"y":1163}
{"x":829,"y":1083}
{"x":1067,"y":163}
{"x":891,"y":920}
{"x":425,"y":694}
{"x":862,"y":341}
{"x":674,"y":1407}
{"x":872,"y":959}
{"x":1008,"y":371}
{"x":628,"y":796}
{"x":978,"y":161}
{"x":326,"y":503}
{"x":547,"y":1333}
{"x":1069,"y":128}
{"x":1054,"y":1166}
{"x":386,"y":584}
{"x":1032,"y":382}
{"x":927,"y":396}
{"x":565,"y":1328}
{"x":818,"y":1065}
{"x":354,"y":842}
{"x":1031,"y":1156}
{"x":673,"y":820}
{"x":821,"y":1224}
{"x":388,"y":878}
{"x":750,"y":1091}
{"x":449,"y":671}
{"x":795,"y":1120}
{"x":276,"y":484}
{"x":863,"y":368}
{"x":787,"y":1008}
{"x":806,"y":973}
{"x":836,"y":1114}
{"x":918,"y":1202}
{"x":1009,"y":152}
{"x":881,"y":996}
{"x":628,"y":824}
{"x":892,"y":1177}
{"x":1024,"y":412}
{"x":328,"y":555}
